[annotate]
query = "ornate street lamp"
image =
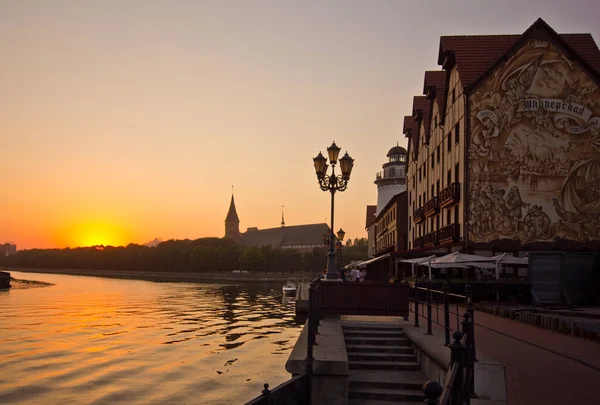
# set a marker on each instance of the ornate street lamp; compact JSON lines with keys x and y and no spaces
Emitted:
{"x":332,"y":183}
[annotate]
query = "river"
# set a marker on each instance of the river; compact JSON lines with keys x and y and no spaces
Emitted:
{"x":89,"y":340}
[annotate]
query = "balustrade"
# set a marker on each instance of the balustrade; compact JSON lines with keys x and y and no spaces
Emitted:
{"x":450,"y":195}
{"x":418,"y":215}
{"x":450,"y":233}
{"x":431,"y":207}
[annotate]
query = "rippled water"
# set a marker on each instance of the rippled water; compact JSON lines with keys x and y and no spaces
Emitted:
{"x":88,"y":340}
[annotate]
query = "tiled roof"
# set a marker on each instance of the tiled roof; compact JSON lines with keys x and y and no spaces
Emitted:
{"x":311,"y":234}
{"x":232,"y":215}
{"x":371,"y":215}
{"x":409,"y":125}
{"x":437,"y":80}
{"x":475,"y":54}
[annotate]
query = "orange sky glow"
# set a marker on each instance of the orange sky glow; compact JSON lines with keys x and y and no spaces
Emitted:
{"x":127,"y":121}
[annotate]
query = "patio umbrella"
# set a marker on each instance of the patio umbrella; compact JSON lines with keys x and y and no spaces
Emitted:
{"x":418,"y":261}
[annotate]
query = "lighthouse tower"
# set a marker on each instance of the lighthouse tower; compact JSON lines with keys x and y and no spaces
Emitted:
{"x":392,"y":179}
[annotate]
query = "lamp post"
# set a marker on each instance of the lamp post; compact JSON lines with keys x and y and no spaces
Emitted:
{"x":332,"y":183}
{"x":340,"y":235}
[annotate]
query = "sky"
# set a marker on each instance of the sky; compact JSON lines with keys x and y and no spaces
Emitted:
{"x":125,"y":121}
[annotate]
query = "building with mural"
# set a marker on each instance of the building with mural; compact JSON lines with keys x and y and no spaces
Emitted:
{"x":504,"y":145}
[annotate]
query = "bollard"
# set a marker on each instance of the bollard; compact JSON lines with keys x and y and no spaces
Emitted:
{"x":432,"y":390}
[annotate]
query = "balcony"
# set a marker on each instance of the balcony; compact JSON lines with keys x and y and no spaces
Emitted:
{"x":418,"y":243}
{"x":431,"y":239}
{"x":431,"y":207}
{"x":450,"y":233}
{"x":418,"y":216}
{"x":450,"y":195}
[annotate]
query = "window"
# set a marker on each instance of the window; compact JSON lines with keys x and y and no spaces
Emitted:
{"x":438,"y":154}
{"x":409,"y":223}
{"x":449,"y":177}
{"x":437,"y":188}
{"x":432,"y":191}
{"x":456,"y":173}
{"x":414,"y":181}
{"x":449,"y":139}
{"x":448,"y":216}
{"x":424,"y":196}
{"x":409,"y":198}
{"x":457,"y":133}
{"x":424,"y":170}
{"x":393,"y":172}
{"x":420,"y":174}
{"x":419,"y":201}
{"x":456,"y":214}
{"x":432,"y":160}
{"x":453,"y":96}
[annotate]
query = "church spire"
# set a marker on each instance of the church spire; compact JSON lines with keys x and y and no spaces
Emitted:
{"x":282,"y":220}
{"x":232,"y":221}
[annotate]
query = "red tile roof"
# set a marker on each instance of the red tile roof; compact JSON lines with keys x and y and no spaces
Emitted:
{"x":437,"y":81}
{"x":371,"y":211}
{"x":475,"y":54}
{"x":410,"y":126}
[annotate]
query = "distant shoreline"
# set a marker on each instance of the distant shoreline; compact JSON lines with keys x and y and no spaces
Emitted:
{"x":168,"y":276}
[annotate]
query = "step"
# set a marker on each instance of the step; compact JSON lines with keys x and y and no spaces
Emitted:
{"x":374,"y":333}
{"x":387,"y":341}
{"x":358,"y":356}
{"x":370,"y":326}
{"x":383,"y":365}
{"x":401,"y":379}
{"x":351,"y":348}
{"x":386,"y":394}
{"x":363,"y":401}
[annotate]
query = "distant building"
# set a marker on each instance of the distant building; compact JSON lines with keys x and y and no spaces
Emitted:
{"x":392,"y":179}
{"x":390,"y":182}
{"x":300,"y":237}
{"x":8,"y":249}
{"x":370,"y":227}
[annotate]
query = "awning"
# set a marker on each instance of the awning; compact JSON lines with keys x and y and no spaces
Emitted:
{"x":418,"y":260}
{"x":373,"y":260}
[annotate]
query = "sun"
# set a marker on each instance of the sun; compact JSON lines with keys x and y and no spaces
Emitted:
{"x":96,"y":234}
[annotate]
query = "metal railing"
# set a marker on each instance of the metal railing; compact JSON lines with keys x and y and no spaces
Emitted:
{"x":460,"y":382}
{"x":459,"y":386}
{"x":298,"y":389}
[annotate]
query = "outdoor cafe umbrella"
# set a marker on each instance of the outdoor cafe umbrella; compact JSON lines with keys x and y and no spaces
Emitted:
{"x":457,"y":259}
{"x":417,"y":261}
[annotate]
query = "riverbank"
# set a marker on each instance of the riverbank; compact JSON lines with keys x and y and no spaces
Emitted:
{"x":172,"y":276}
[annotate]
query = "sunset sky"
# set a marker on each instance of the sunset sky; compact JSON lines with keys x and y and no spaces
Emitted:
{"x":124,"y":121}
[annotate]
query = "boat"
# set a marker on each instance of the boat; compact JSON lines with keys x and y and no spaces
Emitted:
{"x":290,"y":288}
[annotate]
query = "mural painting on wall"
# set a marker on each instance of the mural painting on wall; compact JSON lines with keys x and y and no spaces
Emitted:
{"x":534,"y":156}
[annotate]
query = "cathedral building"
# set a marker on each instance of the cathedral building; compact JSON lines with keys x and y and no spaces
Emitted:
{"x":299,"y":237}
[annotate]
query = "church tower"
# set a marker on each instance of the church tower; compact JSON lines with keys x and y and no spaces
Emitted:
{"x":232,"y":222}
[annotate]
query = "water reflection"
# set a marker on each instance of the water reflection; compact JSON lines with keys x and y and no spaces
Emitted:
{"x":92,"y":340}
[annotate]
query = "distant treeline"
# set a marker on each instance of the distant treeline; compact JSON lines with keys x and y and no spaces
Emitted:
{"x":200,"y":255}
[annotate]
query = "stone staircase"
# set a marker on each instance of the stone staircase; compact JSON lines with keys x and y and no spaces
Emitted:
{"x":383,"y":365}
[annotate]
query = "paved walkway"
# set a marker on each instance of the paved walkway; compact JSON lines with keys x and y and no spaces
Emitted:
{"x":542,"y":367}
